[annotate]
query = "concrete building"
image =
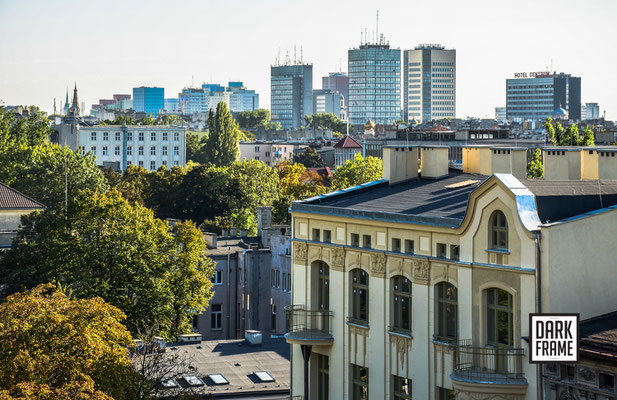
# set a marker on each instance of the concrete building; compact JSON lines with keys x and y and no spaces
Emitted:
{"x":270,"y":153}
{"x":241,"y":98}
{"x":590,"y":111}
{"x":539,"y":95}
{"x":252,"y":282}
{"x":291,"y":95}
{"x":429,"y":92}
{"x":328,"y":101}
{"x":13,"y":206}
{"x":374,"y":84}
{"x":421,"y":284}
{"x":346,"y":150}
{"x":118,"y":146}
{"x":237,"y":97}
{"x":171,"y":105}
{"x":500,"y":115}
{"x":337,"y":82}
{"x":149,"y":99}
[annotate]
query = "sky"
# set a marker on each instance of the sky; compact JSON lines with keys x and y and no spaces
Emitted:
{"x":112,"y":46}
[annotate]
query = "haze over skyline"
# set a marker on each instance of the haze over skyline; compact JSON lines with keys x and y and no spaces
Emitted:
{"x":112,"y":47}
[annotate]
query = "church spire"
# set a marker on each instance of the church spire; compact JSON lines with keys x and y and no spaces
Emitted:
{"x":66,"y":103}
{"x":75,"y":106}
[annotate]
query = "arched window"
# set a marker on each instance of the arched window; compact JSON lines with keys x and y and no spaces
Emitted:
{"x":359,"y":296}
{"x":324,"y":286}
{"x":499,"y":318}
{"x":447,"y":305}
{"x":498,"y":231}
{"x":401,"y":304}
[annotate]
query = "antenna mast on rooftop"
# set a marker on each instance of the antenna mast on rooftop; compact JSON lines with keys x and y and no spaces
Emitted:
{"x":377,"y":27}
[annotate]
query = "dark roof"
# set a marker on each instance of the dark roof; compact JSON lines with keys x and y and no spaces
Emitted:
{"x":558,"y":200}
{"x":11,"y":199}
{"x":428,"y":199}
{"x":347,"y":143}
{"x":598,"y":337}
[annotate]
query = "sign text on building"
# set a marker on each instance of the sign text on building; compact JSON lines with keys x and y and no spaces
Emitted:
{"x":553,"y":338}
{"x":531,"y":74}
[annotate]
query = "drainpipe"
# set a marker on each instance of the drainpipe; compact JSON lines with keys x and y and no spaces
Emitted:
{"x":538,"y":237}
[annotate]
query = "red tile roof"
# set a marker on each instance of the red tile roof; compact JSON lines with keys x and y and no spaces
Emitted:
{"x":11,"y":199}
{"x":347,"y":143}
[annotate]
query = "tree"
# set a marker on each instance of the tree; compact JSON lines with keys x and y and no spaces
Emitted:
{"x":358,"y":171}
{"x":221,"y":147}
{"x":325,"y":121}
{"x":147,"y":120}
{"x":170,"y":119}
{"x":253,"y":119}
{"x":570,"y":136}
{"x":535,"y":169}
{"x":296,"y":183}
{"x":309,"y":158}
{"x":105,"y":247}
{"x":54,"y":347}
{"x":30,"y":131}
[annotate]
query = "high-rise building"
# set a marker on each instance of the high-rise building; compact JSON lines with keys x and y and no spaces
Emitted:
{"x":291,"y":95}
{"x":236,"y":96}
{"x":429,"y":90}
{"x":328,"y":101}
{"x":337,"y":82}
{"x":148,"y":99}
{"x":538,"y":95}
{"x":242,"y":99}
{"x":590,"y":111}
{"x":500,"y":114}
{"x":374,"y":83}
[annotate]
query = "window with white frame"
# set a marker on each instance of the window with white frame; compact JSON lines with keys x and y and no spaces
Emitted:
{"x":164,"y":136}
{"x":217,"y":278}
{"x":129,"y":150}
{"x":93,"y":136}
{"x":105,"y":136}
{"x":105,"y":150}
{"x":153,"y":150}
{"x":141,"y":150}
{"x":129,"y":136}
{"x":164,"y":150}
{"x":93,"y":150}
{"x":153,"y":136}
{"x":176,"y":136}
{"x":152,"y":165}
{"x":118,"y":136}
{"x":176,"y":151}
{"x":141,"y":136}
{"x":117,"y":150}
{"x":217,"y":317}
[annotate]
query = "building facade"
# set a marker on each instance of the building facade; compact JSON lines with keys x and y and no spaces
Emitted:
{"x":346,"y":150}
{"x":421,"y":286}
{"x":149,"y":99}
{"x":429,"y":91}
{"x":590,"y":111}
{"x":118,"y":146}
{"x":329,"y":101}
{"x":13,"y":206}
{"x":374,"y":84}
{"x":291,"y":94}
{"x":538,"y":97}
{"x":241,"y":98}
{"x":270,"y":153}
{"x":337,"y":82}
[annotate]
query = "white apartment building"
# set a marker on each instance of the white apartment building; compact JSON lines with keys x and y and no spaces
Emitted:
{"x":429,"y":83}
{"x":118,"y":146}
{"x":270,"y":153}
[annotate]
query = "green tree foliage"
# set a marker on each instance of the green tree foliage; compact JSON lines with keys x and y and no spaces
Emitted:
{"x":247,"y":136}
{"x":54,"y":347}
{"x":253,"y":119}
{"x":325,"y":121}
{"x":120,"y":120}
{"x":147,"y":120}
{"x":309,"y":158}
{"x":535,"y":169}
{"x":221,"y":147}
{"x":296,"y":183}
{"x":358,"y":171}
{"x":106,"y":247}
{"x":569,"y":136}
{"x":170,"y":119}
{"x":29,"y":131}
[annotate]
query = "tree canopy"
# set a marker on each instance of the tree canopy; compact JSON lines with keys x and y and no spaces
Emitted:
{"x":569,"y":136}
{"x":309,"y":158}
{"x":221,"y":147}
{"x":358,"y":171}
{"x":325,"y":121}
{"x":535,"y":169}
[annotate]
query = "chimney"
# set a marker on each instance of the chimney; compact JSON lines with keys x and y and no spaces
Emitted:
{"x":400,"y":163}
{"x":264,"y":218}
{"x":590,"y":163}
{"x":477,"y":160}
{"x":607,"y":163}
{"x":210,"y":240}
{"x":434,"y":162}
{"x":224,"y":232}
{"x":509,"y":160}
{"x":234,"y":232}
{"x":244,"y":233}
{"x":562,"y":163}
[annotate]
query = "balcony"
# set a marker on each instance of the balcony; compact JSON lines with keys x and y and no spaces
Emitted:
{"x":307,"y":327}
{"x":478,"y":369}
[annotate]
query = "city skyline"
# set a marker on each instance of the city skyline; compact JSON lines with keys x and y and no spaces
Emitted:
{"x":108,"y":50}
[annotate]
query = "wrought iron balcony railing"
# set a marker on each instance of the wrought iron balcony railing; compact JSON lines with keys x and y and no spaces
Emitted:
{"x":308,"y":324}
{"x":489,"y":364}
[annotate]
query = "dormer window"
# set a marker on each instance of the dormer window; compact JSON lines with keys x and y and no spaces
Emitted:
{"x":498,"y":231}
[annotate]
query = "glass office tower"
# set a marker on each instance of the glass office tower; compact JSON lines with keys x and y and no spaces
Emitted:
{"x":291,"y":96}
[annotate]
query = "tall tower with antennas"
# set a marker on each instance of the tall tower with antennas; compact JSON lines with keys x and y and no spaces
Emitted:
{"x":291,"y":95}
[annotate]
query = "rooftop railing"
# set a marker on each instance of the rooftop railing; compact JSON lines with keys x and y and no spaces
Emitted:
{"x":489,"y":364}
{"x":306,"y":324}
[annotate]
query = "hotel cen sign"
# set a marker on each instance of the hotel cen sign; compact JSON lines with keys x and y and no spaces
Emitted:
{"x":553,"y":338}
{"x":531,"y":74}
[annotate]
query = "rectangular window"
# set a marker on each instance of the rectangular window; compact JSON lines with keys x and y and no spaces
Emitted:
{"x":153,"y":150}
{"x":284,"y":281}
{"x":606,"y":381}
{"x":129,"y":136}
{"x":401,"y":388}
{"x":141,"y":150}
{"x":273,"y":278}
{"x":441,"y":250}
{"x":217,"y":316}
{"x":141,"y":164}
{"x":176,"y":151}
{"x":316,"y":235}
{"x":256,"y":149}
{"x":323,"y":377}
{"x":327,"y":236}
{"x":152,"y":165}
{"x":445,"y":394}
{"x":567,"y":372}
{"x":141,"y":136}
{"x":129,"y":151}
{"x":153,"y":136}
{"x":195,"y":323}
{"x":105,"y":150}
{"x":273,"y":317}
{"x":105,"y":136}
{"x":93,"y":136}
{"x":366,"y":241}
{"x":129,"y":163}
{"x":355,"y":240}
{"x":164,"y":150}
{"x":117,"y":136}
{"x":117,"y":150}
{"x":396,"y":245}
{"x":409,"y":249}
{"x":164,"y":136}
{"x":176,"y":136}
{"x":278,"y":278}
{"x":455,"y":252}
{"x":217,"y":278}
{"x":93,"y":150}
{"x":164,"y":163}
{"x":359,"y":382}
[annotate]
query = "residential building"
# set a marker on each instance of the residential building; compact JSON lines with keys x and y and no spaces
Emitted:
{"x":118,"y":146}
{"x":541,"y":94}
{"x":346,"y":150}
{"x":429,"y":92}
{"x":420,"y":285}
{"x":149,"y":99}
{"x":270,"y":153}
{"x":337,"y":82}
{"x":252,"y":282}
{"x":13,"y":206}
{"x":291,"y":95}
{"x":242,"y":99}
{"x":374,"y":84}
{"x":590,"y":111}
{"x":328,"y":101}
{"x":595,"y":375}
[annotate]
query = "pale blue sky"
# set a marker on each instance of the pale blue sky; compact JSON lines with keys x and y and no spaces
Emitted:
{"x":111,"y":46}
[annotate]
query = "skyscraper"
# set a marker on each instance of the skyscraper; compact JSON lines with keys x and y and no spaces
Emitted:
{"x":374,"y":83}
{"x":337,"y":82}
{"x":291,"y":95}
{"x":149,"y":99}
{"x":429,"y":90}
